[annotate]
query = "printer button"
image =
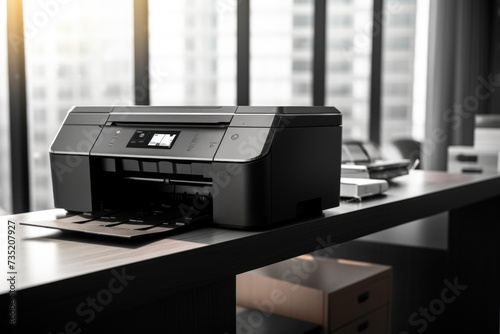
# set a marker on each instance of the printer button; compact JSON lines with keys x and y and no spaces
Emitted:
{"x":166,"y":167}
{"x":149,"y":166}
{"x":130,"y":165}
{"x":197,"y":168}
{"x":183,"y":168}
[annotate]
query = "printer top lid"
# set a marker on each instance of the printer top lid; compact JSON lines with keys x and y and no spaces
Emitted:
{"x":239,"y":116}
{"x":217,"y":110}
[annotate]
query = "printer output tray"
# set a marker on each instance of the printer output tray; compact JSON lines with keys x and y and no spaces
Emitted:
{"x":125,"y":224}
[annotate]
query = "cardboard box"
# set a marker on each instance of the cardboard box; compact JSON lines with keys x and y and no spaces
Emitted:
{"x":333,"y":293}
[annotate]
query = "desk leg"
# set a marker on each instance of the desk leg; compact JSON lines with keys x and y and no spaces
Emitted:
{"x":474,"y":247}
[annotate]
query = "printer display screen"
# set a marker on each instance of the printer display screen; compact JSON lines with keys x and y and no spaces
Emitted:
{"x":153,"y":139}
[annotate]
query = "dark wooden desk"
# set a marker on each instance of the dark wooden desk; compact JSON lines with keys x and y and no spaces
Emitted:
{"x":186,"y":283}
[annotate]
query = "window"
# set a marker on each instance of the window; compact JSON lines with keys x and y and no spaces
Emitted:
{"x":65,"y":93}
{"x":395,"y":113}
{"x":40,"y":136}
{"x":39,"y":115}
{"x":301,"y":65}
{"x":39,"y":92}
{"x":394,"y":65}
{"x":5,"y":187}
{"x":348,"y":61}
{"x":399,"y":43}
{"x":399,"y":88}
{"x":340,"y":66}
{"x":64,"y":71}
{"x":403,"y":20}
{"x":398,"y":56}
{"x":281,"y":39}
{"x":302,"y":20}
{"x":341,"y":20}
{"x":301,"y":88}
{"x":301,"y":43}
{"x":192,"y":52}
{"x":340,"y":89}
{"x":81,"y":55}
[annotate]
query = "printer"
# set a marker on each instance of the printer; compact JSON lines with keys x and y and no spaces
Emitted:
{"x":245,"y":167}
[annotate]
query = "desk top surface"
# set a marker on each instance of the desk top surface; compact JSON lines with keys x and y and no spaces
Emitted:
{"x":46,"y":257}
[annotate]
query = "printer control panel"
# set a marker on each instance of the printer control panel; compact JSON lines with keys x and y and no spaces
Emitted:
{"x":153,"y":139}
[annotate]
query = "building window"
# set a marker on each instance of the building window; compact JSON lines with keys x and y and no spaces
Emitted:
{"x":191,"y":45}
{"x":339,"y":66}
{"x":348,"y":63}
{"x":400,"y":42}
{"x":301,"y":65}
{"x":39,"y":115}
{"x":40,"y":136}
{"x":64,"y":71}
{"x":341,"y":89}
{"x":39,"y":93}
{"x":281,"y":39}
{"x":344,"y":44}
{"x":397,"y":113}
{"x":113,"y":89}
{"x":341,"y":20}
{"x":302,"y":20}
{"x":398,"y":54}
{"x":403,"y":66}
{"x":65,"y":93}
{"x":397,"y":88}
{"x":301,"y":88}
{"x":302,"y":43}
{"x":403,"y":20}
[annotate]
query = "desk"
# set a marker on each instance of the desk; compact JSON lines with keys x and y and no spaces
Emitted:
{"x":186,"y":283}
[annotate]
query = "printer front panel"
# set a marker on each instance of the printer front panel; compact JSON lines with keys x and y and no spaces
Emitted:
{"x":173,"y":143}
{"x":135,"y":167}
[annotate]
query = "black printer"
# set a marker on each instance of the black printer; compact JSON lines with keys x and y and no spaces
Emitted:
{"x":244,"y":167}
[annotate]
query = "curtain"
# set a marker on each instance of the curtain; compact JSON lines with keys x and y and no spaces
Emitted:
{"x":459,"y":84}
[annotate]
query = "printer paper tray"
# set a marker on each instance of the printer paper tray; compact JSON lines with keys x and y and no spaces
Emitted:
{"x":128,"y":228}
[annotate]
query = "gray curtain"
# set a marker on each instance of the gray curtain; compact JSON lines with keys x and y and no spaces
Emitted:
{"x":457,"y":81}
